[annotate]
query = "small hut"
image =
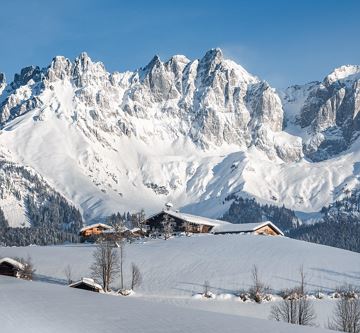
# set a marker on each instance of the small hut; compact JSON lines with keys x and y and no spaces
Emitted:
{"x":87,"y":284}
{"x":11,"y":267}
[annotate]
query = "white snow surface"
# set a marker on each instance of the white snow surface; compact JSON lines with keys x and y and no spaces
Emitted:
{"x":195,"y":219}
{"x":37,"y":307}
{"x":179,"y":266}
{"x":173,"y":275}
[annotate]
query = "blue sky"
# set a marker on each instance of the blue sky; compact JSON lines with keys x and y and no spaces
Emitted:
{"x":284,"y":42}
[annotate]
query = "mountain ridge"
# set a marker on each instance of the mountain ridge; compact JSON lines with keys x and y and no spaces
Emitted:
{"x":189,"y":131}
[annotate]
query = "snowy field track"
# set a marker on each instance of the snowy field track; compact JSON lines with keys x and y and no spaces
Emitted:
{"x":35,"y":307}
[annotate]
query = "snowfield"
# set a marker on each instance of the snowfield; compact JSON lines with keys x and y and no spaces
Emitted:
{"x":36,"y":307}
{"x":173,"y":274}
{"x":179,"y":266}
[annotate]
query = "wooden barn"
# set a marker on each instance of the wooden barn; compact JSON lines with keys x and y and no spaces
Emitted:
{"x":11,"y":267}
{"x":87,"y":284}
{"x":91,"y":232}
{"x":261,"y":228}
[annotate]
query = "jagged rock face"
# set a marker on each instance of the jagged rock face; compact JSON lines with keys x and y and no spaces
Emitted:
{"x":212,"y":101}
{"x":329,"y":113}
{"x":2,"y":82}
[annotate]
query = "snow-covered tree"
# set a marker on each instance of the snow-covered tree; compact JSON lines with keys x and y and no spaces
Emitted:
{"x":168,"y":226}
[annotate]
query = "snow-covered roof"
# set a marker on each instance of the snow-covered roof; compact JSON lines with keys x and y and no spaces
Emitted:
{"x":96,"y":225}
{"x":111,"y":230}
{"x":135,"y":229}
{"x":244,"y":227}
{"x":88,"y":281}
{"x":13,"y":262}
{"x":193,"y":218}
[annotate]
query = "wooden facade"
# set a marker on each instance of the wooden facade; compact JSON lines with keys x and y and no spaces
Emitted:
{"x":92,"y":232}
{"x":266,"y":230}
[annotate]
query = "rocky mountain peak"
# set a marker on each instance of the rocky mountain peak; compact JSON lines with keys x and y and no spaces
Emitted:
{"x":85,"y":71}
{"x":343,"y":73}
{"x":213,"y":55}
{"x":2,"y":78}
{"x":27,"y":74}
{"x":60,"y":68}
{"x":155,"y":62}
{"x":211,"y":60}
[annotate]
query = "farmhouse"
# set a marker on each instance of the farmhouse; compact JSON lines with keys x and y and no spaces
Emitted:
{"x":92,"y":231}
{"x":261,"y":228}
{"x":199,"y":224}
{"x":11,"y":267}
{"x":87,"y":284}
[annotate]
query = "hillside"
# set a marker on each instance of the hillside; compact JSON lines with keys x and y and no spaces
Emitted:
{"x":41,"y":308}
{"x":179,"y":266}
{"x":173,"y":273}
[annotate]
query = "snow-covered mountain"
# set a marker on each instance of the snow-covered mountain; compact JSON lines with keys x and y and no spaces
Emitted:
{"x":327,"y":112}
{"x":190,"y":132}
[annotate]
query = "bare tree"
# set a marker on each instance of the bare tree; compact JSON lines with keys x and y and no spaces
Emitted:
{"x":118,"y":231}
{"x":28,"y":270}
{"x":258,"y":288}
{"x":187,"y":228}
{"x":136,"y":277}
{"x":121,"y":245}
{"x":68,"y":274}
{"x":302,"y":280}
{"x":295,"y":308}
{"x":138,"y":220}
{"x":119,"y":241}
{"x":168,"y":225}
{"x":346,"y":316}
{"x":206,"y":289}
{"x":106,"y":264}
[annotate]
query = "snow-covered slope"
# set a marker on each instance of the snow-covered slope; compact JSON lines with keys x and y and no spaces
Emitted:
{"x":190,"y":132}
{"x":180,"y":266}
{"x":35,"y":307}
{"x":21,"y":186}
{"x":173,"y":271}
{"x":326,"y":113}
